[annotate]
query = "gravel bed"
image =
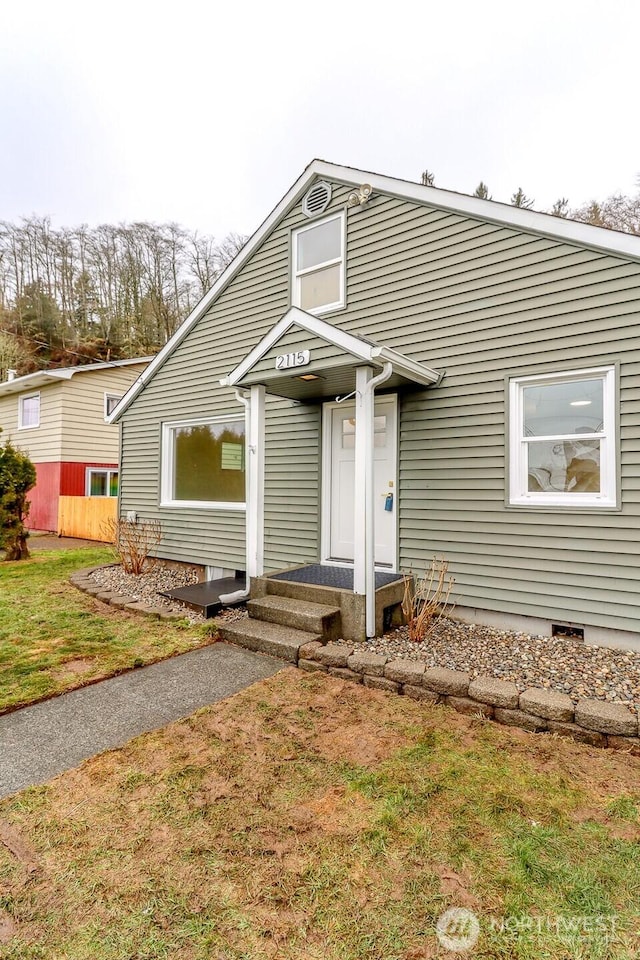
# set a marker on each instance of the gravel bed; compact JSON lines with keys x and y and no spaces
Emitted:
{"x":145,"y":586}
{"x":557,"y":663}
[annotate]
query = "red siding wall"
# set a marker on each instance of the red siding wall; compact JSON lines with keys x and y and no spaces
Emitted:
{"x":73,"y":478}
{"x":44,"y":497}
{"x":55,"y":480}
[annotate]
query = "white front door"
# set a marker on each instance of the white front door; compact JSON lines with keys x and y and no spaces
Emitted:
{"x":339,"y":498}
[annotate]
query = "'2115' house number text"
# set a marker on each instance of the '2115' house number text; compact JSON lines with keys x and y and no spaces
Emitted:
{"x":299,"y":359}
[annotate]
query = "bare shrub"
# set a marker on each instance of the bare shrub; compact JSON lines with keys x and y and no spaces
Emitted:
{"x":426,"y":599}
{"x":133,"y":541}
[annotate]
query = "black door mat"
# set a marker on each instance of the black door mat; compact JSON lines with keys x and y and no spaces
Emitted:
{"x":324,"y":576}
{"x":205,"y":597}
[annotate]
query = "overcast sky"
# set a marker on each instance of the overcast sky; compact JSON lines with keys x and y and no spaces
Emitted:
{"x":206,"y":113}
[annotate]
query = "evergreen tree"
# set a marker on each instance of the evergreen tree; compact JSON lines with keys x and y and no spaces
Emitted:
{"x":17,"y":477}
{"x":520,"y":199}
{"x":482,"y":191}
{"x":560,"y":208}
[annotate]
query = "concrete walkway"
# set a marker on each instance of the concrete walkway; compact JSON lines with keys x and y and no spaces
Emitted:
{"x":39,"y":742}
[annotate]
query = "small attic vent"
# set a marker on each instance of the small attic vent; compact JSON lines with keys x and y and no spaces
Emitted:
{"x":317,"y":199}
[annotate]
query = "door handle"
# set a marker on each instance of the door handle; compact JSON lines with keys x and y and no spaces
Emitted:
{"x":388,"y":502}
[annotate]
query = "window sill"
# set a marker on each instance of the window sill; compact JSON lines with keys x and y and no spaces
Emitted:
{"x":201,"y":505}
{"x":320,"y":311}
{"x":573,"y":506}
{"x":28,"y":426}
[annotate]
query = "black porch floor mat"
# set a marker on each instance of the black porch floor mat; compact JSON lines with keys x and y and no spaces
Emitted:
{"x":325,"y":576}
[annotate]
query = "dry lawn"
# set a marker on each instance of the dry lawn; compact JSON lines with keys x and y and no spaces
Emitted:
{"x":311,"y":819}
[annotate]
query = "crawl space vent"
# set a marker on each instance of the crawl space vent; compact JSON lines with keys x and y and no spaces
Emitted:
{"x":317,"y":199}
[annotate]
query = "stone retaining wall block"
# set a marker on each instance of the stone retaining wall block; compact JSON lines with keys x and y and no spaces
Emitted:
{"x":547,"y":703}
{"x":606,"y":718}
{"x":381,"y":683}
{"x":518,"y":718}
{"x":578,"y":733}
{"x":311,"y":665}
{"x":333,"y":655}
{"x":498,"y":693}
{"x":122,"y":601}
{"x":308,"y":650}
{"x":472,"y":708}
{"x":420,"y":693}
{"x":404,"y":671}
{"x":443,"y":680}
{"x":345,"y":674}
{"x":370,"y":663}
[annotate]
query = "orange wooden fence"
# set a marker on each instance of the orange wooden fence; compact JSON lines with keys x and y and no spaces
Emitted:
{"x":86,"y":517}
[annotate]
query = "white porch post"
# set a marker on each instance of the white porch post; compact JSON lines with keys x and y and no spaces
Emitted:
{"x":363,"y":501}
{"x":364,"y":562}
{"x":255,"y":482}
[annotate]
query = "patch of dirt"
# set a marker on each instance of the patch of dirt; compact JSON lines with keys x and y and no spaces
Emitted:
{"x":356,"y":745}
{"x":21,"y":849}
{"x":8,"y":927}
{"x":336,"y":811}
{"x":456,"y":885}
{"x":74,"y":668}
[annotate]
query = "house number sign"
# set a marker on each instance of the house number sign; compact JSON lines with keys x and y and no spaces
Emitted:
{"x":299,"y":359}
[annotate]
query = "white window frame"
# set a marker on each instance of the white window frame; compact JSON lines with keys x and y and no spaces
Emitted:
{"x":109,"y":472}
{"x":21,"y":424}
{"x":107,"y":397}
{"x":167,"y":464}
{"x":296,"y":274}
{"x":519,"y":495}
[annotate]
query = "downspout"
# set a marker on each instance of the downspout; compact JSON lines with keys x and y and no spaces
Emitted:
{"x":240,"y":595}
{"x":370,"y":563}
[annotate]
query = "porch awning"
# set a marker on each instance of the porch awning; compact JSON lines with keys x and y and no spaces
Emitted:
{"x":304,"y":357}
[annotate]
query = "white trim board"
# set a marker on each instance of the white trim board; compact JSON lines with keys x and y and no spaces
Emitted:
{"x":529,"y":221}
{"x":42,"y":377}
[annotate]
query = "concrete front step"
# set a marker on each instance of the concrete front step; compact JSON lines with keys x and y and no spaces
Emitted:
{"x":272,"y":638}
{"x":318,"y":618}
{"x":330,"y":596}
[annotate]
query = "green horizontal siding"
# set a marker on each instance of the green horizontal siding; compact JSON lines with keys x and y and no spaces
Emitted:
{"x":481,"y":302}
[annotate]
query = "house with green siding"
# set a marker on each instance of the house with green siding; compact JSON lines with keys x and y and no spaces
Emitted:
{"x":388,"y":373}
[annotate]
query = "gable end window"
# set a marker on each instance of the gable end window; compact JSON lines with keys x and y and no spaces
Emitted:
{"x":111,"y":401}
{"x":29,"y":411}
{"x":203,"y":463}
{"x":318,"y":252}
{"x":562,"y":439}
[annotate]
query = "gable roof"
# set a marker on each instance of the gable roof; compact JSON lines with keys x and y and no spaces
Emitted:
{"x":360,"y":348}
{"x":530,"y":221}
{"x":32,"y":381}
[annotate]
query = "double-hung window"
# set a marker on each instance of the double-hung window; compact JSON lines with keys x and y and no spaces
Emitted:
{"x":29,"y":411}
{"x":318,"y":265}
{"x":203,"y":463}
{"x":563,"y":440}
